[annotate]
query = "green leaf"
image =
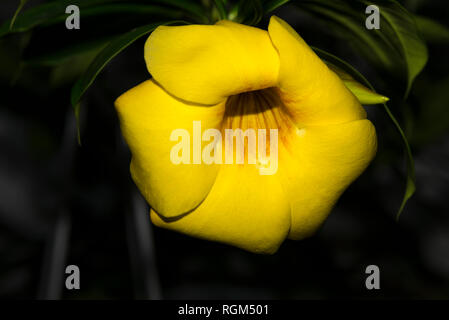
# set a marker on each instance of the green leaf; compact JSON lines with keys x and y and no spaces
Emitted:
{"x":45,"y":13}
{"x":127,"y":9}
{"x":77,"y":110}
{"x":192,"y":7}
{"x":396,"y":46}
{"x":272,"y":5}
{"x":412,"y":47}
{"x":349,"y":22}
{"x":248,"y":12}
{"x":221,"y":8}
{"x":410,"y":186}
{"x":431,"y":30}
{"x":59,"y":57}
{"x":54,"y":12}
{"x":362,"y":93}
{"x":410,"y":180}
{"x":71,"y":67}
{"x":106,"y":55}
{"x":19,"y":8}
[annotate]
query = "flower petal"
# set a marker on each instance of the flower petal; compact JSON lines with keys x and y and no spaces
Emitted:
{"x":313,"y":94}
{"x":244,"y":209}
{"x":207,"y":63}
{"x":148,"y":115}
{"x":317,"y":164}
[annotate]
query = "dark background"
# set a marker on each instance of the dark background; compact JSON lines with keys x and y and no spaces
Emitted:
{"x":63,"y":204}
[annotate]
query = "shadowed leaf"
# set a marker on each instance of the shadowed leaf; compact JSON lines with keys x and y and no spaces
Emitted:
{"x":54,"y":12}
{"x":272,"y":5}
{"x":431,"y":30}
{"x":396,"y":46}
{"x":363,"y":94}
{"x":106,"y":55}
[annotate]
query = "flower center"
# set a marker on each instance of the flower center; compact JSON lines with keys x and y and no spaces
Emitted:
{"x":260,"y":109}
{"x":258,"y":121}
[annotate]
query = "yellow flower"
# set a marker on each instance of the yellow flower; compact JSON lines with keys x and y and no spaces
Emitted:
{"x":230,"y":75}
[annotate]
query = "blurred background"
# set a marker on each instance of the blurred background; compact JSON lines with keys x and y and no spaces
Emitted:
{"x":62,"y":203}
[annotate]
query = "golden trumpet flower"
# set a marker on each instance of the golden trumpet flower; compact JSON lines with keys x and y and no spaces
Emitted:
{"x":233,"y":76}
